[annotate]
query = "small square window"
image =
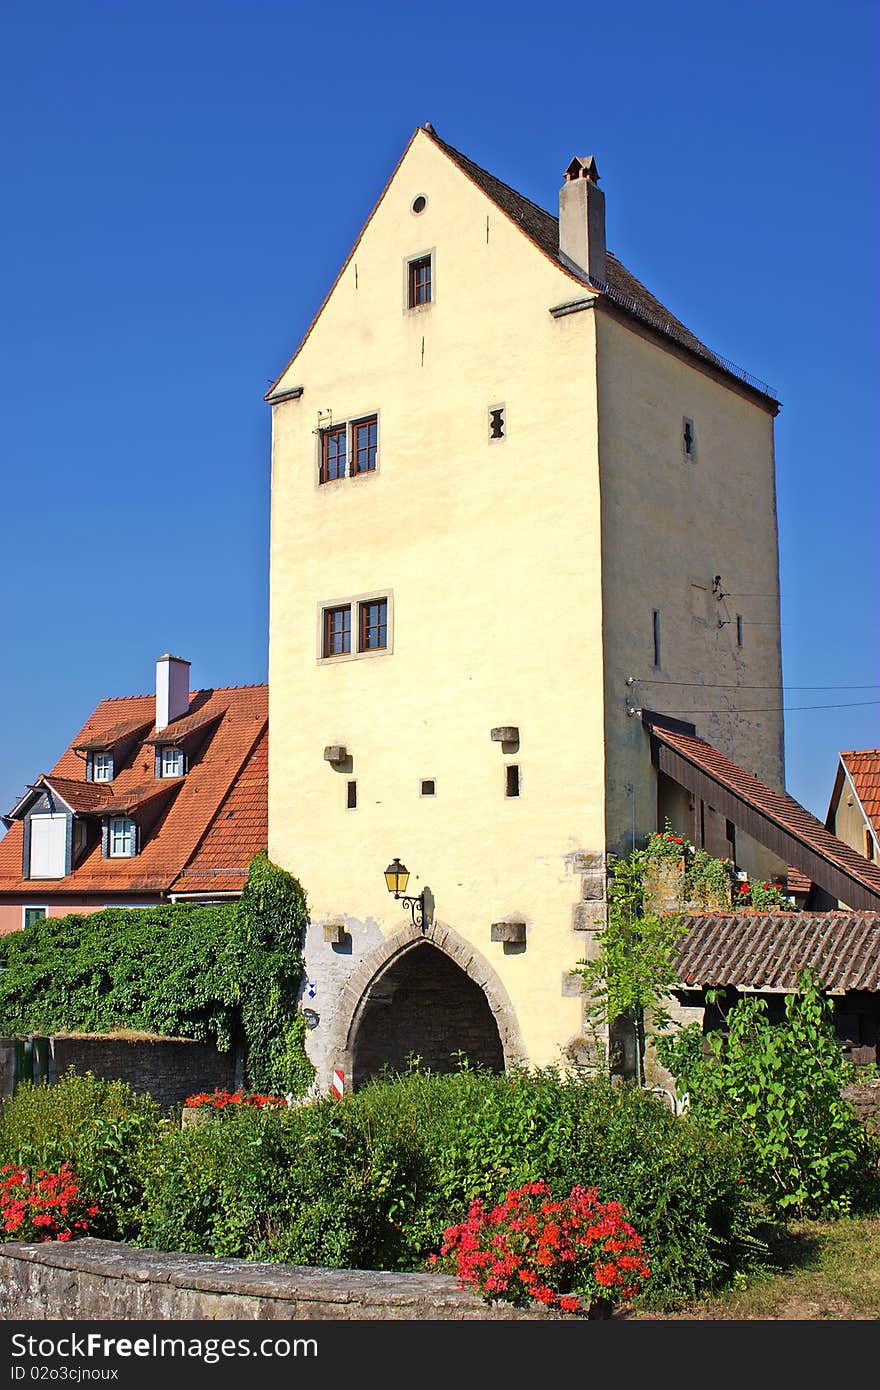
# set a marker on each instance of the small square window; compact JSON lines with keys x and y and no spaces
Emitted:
{"x":102,"y":767}
{"x":419,"y":282}
{"x":428,"y":786}
{"x":365,"y":442}
{"x":171,"y":762}
{"x":333,"y":453}
{"x":373,"y":625}
{"x":123,"y":838}
{"x":337,"y":631}
{"x":32,"y":915}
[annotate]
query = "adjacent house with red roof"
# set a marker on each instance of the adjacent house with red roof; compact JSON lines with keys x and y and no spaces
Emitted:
{"x":854,"y":810}
{"x":158,"y":798}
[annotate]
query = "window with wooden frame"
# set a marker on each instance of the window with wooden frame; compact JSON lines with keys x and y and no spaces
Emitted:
{"x":365,"y":439}
{"x":333,"y":453}
{"x":373,"y":625}
{"x":418,"y":281}
{"x":337,"y":631}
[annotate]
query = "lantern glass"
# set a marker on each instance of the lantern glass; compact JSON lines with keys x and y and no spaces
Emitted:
{"x":396,"y":877}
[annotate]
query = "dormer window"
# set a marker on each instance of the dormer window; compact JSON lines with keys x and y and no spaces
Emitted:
{"x":122,"y":838}
{"x":99,"y":767}
{"x":170,"y":761}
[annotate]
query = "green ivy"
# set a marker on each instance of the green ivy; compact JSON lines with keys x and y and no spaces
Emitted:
{"x":221,"y":974}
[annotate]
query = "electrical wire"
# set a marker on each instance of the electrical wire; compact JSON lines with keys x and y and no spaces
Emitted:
{"x":772,"y":709}
{"x":711,"y":685}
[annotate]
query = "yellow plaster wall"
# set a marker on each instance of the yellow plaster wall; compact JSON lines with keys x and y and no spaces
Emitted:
{"x":670,"y":524}
{"x":491,"y":553}
{"x":850,"y":824}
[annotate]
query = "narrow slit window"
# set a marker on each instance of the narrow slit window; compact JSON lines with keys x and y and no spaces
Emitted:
{"x":511,"y":780}
{"x":655,"y":628}
{"x":688,"y":437}
{"x":497,"y":425}
{"x":739,"y":630}
{"x":419,"y":281}
{"x":351,"y":796}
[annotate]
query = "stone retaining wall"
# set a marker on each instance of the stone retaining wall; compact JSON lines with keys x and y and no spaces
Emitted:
{"x":170,"y":1069}
{"x":104,"y":1280}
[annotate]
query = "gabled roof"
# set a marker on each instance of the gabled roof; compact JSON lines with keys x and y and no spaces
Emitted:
{"x":621,"y":287}
{"x":862,"y":768}
{"x":773,"y":818}
{"x":768,"y":952}
{"x":239,"y":719}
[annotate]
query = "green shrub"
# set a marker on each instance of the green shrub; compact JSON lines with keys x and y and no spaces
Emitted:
{"x":102,"y":1129}
{"x":777,"y":1086}
{"x":309,"y":1185}
{"x":481,"y":1135}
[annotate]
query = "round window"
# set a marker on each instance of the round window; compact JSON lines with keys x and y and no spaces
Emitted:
{"x":419,"y":204}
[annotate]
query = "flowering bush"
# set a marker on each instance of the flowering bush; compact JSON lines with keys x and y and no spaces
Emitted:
{"x":573,"y":1254}
{"x":220,"y":1100}
{"x":763,"y":897}
{"x":42,"y":1207}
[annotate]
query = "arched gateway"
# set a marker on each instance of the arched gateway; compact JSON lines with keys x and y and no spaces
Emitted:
{"x":429,"y":994}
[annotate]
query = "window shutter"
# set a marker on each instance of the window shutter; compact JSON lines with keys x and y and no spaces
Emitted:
{"x":68,"y":846}
{"x":158,"y":761}
{"x":105,"y":838}
{"x":135,"y":839}
{"x":90,"y":767}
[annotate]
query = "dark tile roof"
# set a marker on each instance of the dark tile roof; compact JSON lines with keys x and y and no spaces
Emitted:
{"x":777,"y":807}
{"x":768,"y":951}
{"x":621,"y":286}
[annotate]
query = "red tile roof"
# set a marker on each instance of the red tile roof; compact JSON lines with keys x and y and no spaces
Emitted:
{"x":778,"y":808}
{"x":863,"y":767}
{"x":796,"y":882}
{"x":237,"y":832}
{"x":768,"y":952}
{"x":195,"y":801}
{"x":93,"y":741}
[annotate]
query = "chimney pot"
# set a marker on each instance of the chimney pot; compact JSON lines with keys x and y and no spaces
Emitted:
{"x":172,"y":689}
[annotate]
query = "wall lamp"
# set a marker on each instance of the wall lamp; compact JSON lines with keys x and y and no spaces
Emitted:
{"x":422,"y":907}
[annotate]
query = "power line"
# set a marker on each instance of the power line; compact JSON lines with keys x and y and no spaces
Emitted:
{"x":711,"y":685}
{"x":772,"y":709}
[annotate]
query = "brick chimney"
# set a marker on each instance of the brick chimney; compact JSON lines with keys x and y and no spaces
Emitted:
{"x":582,"y":219}
{"x":172,"y":689}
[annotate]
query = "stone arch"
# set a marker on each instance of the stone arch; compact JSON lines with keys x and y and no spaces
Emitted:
{"x":381,"y":964}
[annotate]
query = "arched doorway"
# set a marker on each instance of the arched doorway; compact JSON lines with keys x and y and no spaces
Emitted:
{"x":423,"y":1005}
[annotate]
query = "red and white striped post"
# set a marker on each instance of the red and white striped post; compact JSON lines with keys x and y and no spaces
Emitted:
{"x":337,"y":1086}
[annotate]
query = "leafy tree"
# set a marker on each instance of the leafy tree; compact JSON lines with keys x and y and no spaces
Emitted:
{"x":635,"y":967}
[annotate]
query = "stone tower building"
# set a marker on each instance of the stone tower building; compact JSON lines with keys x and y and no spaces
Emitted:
{"x":513,"y":502}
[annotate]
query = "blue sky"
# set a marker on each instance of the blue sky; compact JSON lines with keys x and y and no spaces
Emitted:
{"x":181,"y":183}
